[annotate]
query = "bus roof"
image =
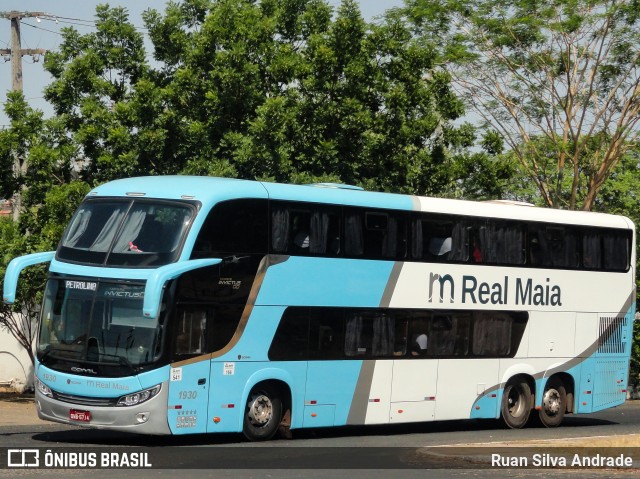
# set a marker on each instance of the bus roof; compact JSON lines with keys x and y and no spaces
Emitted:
{"x":210,"y":190}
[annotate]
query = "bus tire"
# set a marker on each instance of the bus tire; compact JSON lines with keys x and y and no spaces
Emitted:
{"x":516,"y":403}
{"x":554,"y":403}
{"x":263,"y":413}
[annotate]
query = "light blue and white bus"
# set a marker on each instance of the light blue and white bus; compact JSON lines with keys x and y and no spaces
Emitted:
{"x":180,"y":304}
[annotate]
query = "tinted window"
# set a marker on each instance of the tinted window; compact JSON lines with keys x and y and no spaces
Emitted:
{"x":369,"y":333}
{"x":553,"y":246}
{"x":492,"y":334}
{"x":305,"y":229}
{"x":592,"y":250}
{"x":326,"y":333}
{"x":499,"y":242}
{"x":234,"y":227}
{"x":375,"y":234}
{"x":126,"y":233}
{"x":202,"y":329}
{"x":439,"y":240}
{"x":616,"y":249}
{"x":353,"y":333}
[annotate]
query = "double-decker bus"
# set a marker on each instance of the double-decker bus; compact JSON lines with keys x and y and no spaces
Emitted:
{"x":180,"y":304}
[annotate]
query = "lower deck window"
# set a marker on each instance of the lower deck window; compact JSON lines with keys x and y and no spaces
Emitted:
{"x":354,"y":333}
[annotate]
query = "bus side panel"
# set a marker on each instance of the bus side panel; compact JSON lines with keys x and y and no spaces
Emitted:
{"x":461,"y":382}
{"x":414,"y":390}
{"x":189,"y":398}
{"x":552,"y":334}
{"x":231,"y":385}
{"x":326,"y":282}
{"x":584,"y":390}
{"x":237,"y":371}
{"x":612,"y":359}
{"x":379,"y":398}
{"x":604,"y":375}
{"x":337,"y":383}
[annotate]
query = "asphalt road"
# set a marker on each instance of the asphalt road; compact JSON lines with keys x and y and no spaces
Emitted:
{"x":359,"y":452}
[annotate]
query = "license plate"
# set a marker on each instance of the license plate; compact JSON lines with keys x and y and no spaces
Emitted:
{"x":78,"y":415}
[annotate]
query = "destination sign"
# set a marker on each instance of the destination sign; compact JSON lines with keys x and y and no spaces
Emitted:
{"x":83,"y":285}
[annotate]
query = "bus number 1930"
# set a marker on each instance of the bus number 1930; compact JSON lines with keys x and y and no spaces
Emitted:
{"x":188,"y":394}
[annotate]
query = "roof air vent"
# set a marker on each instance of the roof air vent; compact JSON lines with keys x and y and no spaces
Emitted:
{"x":340,"y":186}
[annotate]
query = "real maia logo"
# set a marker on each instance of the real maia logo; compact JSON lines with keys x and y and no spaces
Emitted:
{"x":472,"y":291}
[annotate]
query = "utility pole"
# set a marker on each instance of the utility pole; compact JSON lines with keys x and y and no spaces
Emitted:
{"x":16,"y":52}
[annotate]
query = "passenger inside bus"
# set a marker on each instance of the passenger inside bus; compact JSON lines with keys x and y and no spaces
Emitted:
{"x":419,"y":345}
{"x":440,"y":246}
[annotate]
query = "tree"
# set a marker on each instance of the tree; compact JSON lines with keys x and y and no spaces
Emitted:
{"x":20,"y":324}
{"x":559,"y":81}
{"x":280,"y":90}
{"x":92,"y":92}
{"x":49,"y":196}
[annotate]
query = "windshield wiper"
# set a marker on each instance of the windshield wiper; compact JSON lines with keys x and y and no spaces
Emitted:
{"x":47,"y":352}
{"x":122,"y":361}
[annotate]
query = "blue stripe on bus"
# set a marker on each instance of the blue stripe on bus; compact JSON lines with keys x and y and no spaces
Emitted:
{"x":100,"y":387}
{"x":303,"y":281}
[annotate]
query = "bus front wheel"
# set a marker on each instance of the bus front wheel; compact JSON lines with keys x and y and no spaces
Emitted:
{"x":554,"y":403}
{"x":516,"y":403}
{"x":263,"y":413}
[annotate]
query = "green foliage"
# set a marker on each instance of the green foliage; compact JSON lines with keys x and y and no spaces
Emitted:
{"x":283,"y":91}
{"x":559,"y":81}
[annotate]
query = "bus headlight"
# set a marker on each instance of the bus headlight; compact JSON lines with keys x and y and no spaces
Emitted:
{"x":139,"y":397}
{"x":43,"y":388}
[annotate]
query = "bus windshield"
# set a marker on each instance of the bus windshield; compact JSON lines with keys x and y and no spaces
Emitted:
{"x":126,"y":232}
{"x":98,"y":322}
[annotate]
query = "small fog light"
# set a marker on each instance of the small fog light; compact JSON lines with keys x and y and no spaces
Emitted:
{"x":142,"y":417}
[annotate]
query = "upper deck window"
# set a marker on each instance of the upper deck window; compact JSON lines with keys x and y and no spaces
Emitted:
{"x":123,"y":232}
{"x":234,"y":227}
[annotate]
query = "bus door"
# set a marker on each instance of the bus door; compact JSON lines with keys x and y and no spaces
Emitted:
{"x":413,"y":390}
{"x":189,"y":379}
{"x":415,"y":377}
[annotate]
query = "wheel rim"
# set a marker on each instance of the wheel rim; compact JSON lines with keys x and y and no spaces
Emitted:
{"x":260,"y":410}
{"x":551,"y":402}
{"x":515,"y":402}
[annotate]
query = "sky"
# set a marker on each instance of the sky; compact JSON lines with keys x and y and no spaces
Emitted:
{"x":80,"y":14}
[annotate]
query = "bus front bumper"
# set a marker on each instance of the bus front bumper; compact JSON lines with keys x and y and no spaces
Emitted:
{"x":149,"y":417}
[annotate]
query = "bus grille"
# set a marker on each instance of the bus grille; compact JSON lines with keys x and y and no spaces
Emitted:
{"x":612,"y":338}
{"x":610,"y":383}
{"x":84,"y":400}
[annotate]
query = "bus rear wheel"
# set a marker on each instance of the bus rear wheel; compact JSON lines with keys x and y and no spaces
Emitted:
{"x":516,"y":403}
{"x":554,"y":403}
{"x":263,"y":413}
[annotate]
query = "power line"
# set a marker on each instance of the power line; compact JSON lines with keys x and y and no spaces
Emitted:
{"x":85,"y":23}
{"x":41,"y":28}
{"x":61,"y":19}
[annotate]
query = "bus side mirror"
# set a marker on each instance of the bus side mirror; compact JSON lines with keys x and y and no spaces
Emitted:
{"x":14,"y":269}
{"x":158,"y":278}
